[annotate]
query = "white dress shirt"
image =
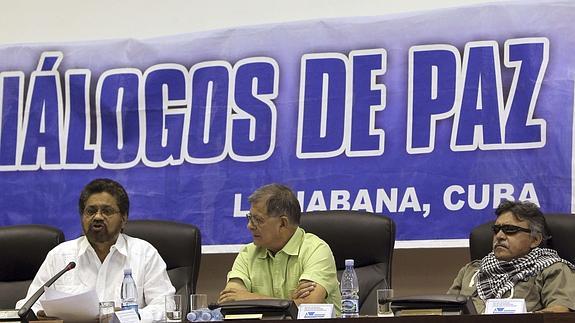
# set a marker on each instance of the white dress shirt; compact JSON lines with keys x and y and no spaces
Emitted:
{"x":148,"y":271}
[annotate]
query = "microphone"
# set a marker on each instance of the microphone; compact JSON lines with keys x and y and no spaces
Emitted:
{"x":25,"y":312}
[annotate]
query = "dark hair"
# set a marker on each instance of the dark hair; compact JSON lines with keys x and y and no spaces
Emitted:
{"x":525,"y":211}
{"x":279,"y":200}
{"x":109,"y":186}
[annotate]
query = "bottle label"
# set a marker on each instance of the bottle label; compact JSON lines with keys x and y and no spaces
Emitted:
{"x":130,"y":307}
{"x":349,"y":306}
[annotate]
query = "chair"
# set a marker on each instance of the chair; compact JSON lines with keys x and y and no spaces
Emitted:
{"x":365,"y":237}
{"x":561,"y":228}
{"x":23,"y":249}
{"x":180,"y":245}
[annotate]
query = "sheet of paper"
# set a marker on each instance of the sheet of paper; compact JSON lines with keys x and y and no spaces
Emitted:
{"x":72,"y":308}
{"x":52,"y":293}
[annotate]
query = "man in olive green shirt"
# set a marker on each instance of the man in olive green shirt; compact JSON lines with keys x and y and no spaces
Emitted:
{"x":283,"y":261}
{"x":553,"y":286}
{"x":518,"y":267}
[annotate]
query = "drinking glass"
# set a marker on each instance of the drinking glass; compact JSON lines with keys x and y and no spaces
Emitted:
{"x":198,"y":301}
{"x":106,"y":312}
{"x":173,"y":308}
{"x":384,"y":297}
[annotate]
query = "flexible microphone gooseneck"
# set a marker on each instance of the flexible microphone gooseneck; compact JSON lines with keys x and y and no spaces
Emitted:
{"x":25,"y":312}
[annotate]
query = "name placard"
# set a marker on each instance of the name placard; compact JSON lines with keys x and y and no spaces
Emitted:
{"x":126,"y":316}
{"x":505,"y":306}
{"x":315,"y":311}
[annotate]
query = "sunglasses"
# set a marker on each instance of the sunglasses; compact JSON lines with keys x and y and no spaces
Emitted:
{"x":508,"y":229}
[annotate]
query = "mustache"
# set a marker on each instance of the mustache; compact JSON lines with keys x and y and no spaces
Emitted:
{"x":99,"y":222}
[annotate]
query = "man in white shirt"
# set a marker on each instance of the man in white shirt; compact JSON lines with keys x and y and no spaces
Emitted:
{"x":104,"y":252}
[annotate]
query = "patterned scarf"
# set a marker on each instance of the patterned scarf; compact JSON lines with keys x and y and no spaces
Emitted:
{"x":496,"y":277}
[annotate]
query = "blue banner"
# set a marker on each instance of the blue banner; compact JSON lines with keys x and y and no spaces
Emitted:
{"x":429,"y":118}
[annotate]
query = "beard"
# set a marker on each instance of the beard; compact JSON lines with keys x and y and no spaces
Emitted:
{"x":98,"y":233}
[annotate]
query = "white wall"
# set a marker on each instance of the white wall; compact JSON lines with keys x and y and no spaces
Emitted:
{"x":73,"y":20}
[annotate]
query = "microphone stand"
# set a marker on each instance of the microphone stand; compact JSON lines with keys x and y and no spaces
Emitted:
{"x":26,"y":313}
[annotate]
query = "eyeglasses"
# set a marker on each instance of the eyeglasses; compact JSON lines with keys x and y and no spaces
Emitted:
{"x":255,"y":220}
{"x":508,"y":229}
{"x":106,"y":211}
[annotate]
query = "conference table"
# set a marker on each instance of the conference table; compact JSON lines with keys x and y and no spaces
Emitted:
{"x":499,"y":318}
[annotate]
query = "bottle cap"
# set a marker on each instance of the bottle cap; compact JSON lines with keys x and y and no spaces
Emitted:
{"x":127,"y":271}
{"x":349,"y":262}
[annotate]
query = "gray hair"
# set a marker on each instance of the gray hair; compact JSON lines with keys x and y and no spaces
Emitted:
{"x":279,"y":200}
{"x":526,"y":211}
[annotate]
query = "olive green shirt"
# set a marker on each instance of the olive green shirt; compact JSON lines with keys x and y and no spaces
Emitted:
{"x":304,"y":257}
{"x":554,"y":285}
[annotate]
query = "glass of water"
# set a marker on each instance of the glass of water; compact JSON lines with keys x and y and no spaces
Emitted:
{"x":198,"y":301}
{"x":384,"y":297}
{"x":106,"y":312}
{"x":173,"y":308}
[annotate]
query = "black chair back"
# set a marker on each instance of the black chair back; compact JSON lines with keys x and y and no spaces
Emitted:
{"x":23,"y":249}
{"x":180,"y":245}
{"x":367,"y":238}
{"x":561,"y":228}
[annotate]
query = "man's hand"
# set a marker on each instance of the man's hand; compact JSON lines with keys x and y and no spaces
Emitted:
{"x":303,"y":290}
{"x":554,"y":309}
{"x":236,"y":291}
{"x":309,"y":292}
{"x":236,"y":294}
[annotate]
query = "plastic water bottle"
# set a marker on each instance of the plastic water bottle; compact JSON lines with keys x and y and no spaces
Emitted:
{"x":349,"y":291}
{"x":201,"y":315}
{"x":205,"y":315}
{"x":129,"y":292}
{"x":217,"y":314}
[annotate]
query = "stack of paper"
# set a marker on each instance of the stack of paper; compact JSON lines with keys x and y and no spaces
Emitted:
{"x":71,"y":308}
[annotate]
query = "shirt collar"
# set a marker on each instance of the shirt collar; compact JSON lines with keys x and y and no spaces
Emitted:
{"x":84,"y":245}
{"x":291,"y":247}
{"x":121,"y":245}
